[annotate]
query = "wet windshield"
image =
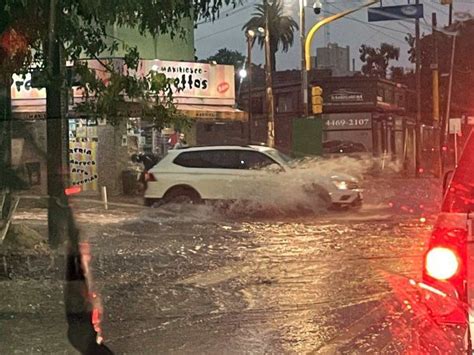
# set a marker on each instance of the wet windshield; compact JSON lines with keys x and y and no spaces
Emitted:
{"x":279,"y":156}
{"x":145,"y":200}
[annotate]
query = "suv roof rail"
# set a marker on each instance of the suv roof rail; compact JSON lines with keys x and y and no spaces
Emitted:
{"x":221,"y":145}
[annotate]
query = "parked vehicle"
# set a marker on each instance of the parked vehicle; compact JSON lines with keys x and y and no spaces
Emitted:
{"x":244,"y":173}
{"x":448,"y":281}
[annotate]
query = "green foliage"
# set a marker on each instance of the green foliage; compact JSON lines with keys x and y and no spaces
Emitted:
{"x":229,"y":57}
{"x":81,"y":28}
{"x":281,"y":27}
{"x":462,"y":93}
{"x":377,"y":59}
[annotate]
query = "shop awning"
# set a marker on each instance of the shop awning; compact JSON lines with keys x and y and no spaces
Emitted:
{"x":212,"y":112}
{"x":198,"y":112}
{"x":31,"y":112}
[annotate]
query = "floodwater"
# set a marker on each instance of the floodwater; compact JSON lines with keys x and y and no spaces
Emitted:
{"x":199,"y":279}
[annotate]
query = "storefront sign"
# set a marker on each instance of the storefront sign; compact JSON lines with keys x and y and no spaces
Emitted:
{"x":197,"y":80}
{"x":347,"y":121}
{"x":345,"y":95}
{"x":21,"y":88}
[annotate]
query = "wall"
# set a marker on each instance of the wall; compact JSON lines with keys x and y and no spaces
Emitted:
{"x":213,"y":133}
{"x":161,"y":47}
{"x":28,"y":149}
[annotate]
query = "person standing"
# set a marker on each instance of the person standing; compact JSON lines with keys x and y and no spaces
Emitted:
{"x":181,"y":142}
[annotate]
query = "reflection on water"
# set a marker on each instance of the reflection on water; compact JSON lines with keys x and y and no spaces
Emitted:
{"x":207,"y":278}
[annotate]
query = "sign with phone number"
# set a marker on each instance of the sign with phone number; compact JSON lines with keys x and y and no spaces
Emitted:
{"x":348,"y":123}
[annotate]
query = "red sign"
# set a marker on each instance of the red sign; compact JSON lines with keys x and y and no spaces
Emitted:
{"x":223,"y":87}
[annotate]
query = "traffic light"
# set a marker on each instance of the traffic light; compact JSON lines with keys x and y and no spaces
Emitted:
{"x":317,"y":99}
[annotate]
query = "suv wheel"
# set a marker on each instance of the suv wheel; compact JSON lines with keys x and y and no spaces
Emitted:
{"x":182,"y":195}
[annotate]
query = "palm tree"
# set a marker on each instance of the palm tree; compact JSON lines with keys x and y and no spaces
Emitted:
{"x":281,"y":27}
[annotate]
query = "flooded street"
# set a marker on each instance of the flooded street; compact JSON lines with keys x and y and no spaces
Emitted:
{"x":195,"y":279}
{"x":254,"y":286}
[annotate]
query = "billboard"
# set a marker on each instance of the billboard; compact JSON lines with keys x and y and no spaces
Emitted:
{"x":195,"y":80}
{"x":192,"y":80}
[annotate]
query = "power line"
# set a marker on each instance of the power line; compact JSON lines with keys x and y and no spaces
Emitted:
{"x":217,"y":33}
{"x":437,"y":8}
{"x":374,"y":27}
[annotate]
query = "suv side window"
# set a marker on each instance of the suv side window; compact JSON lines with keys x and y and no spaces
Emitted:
{"x":209,"y":159}
{"x":254,"y":160}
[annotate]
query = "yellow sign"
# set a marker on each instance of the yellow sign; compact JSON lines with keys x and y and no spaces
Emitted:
{"x":83,"y":163}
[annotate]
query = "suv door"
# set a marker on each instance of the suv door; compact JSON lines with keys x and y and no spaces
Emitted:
{"x":211,"y":172}
{"x":258,"y":180}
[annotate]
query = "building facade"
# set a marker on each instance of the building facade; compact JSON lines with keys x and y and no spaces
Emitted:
{"x":99,"y":153}
{"x":335,"y":58}
{"x":360,"y":114}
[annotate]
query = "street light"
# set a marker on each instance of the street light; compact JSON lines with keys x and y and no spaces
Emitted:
{"x":243,"y":73}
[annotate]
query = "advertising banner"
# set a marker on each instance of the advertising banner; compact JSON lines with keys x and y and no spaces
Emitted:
{"x":83,"y":163}
{"x":197,"y":80}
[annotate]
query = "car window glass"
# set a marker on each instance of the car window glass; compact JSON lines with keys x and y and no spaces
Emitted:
{"x":222,"y":159}
{"x":212,"y":159}
{"x":254,"y":160}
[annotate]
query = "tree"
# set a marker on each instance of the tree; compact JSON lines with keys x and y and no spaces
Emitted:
{"x":377,"y":59}
{"x":229,"y":57}
{"x":281,"y":27}
{"x":93,"y":21}
{"x":462,"y":94}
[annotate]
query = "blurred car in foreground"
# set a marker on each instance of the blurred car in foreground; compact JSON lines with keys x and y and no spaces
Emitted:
{"x":236,"y":173}
{"x":448,"y":278}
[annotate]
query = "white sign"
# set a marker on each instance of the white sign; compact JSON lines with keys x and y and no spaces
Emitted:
{"x":454,"y":125}
{"x":200,"y":80}
{"x":470,"y":120}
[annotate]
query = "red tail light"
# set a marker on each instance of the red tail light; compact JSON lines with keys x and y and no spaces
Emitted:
{"x":149,"y":177}
{"x":72,"y":190}
{"x":446,"y":254}
{"x":444,"y":270}
{"x":442,"y":263}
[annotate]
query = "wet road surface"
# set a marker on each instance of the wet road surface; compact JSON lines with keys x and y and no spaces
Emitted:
{"x":192,"y":279}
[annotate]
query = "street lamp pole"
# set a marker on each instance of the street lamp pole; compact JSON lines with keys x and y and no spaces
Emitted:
{"x":268,"y":81}
{"x":304,"y":72}
{"x":249,"y":85}
{"x":318,"y":25}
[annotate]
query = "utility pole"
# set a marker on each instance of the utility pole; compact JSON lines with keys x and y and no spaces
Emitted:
{"x":418,"y":97}
{"x":435,"y":74}
{"x":54,"y":130}
{"x":450,"y":14}
{"x":304,"y":71}
{"x":5,"y":120}
{"x":450,"y":90}
{"x":268,"y":80}
{"x":249,"y":84}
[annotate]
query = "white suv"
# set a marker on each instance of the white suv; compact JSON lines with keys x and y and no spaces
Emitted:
{"x":238,"y":173}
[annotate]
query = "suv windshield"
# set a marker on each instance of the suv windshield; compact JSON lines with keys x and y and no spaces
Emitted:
{"x":279,"y":156}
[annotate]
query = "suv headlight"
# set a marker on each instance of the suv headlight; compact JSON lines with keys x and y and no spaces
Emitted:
{"x":340,"y":184}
